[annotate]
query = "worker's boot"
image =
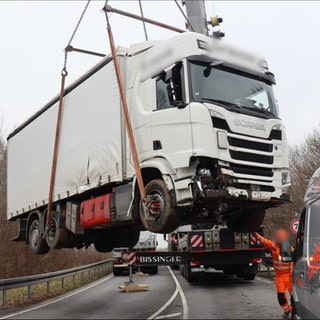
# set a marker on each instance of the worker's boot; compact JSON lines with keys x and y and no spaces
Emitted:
{"x":287,"y":310}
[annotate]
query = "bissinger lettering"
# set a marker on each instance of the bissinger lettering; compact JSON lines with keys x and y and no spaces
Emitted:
{"x":158,"y":259}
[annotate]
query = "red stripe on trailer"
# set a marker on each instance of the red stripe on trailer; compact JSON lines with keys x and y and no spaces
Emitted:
{"x":196,"y":241}
{"x":132,"y":258}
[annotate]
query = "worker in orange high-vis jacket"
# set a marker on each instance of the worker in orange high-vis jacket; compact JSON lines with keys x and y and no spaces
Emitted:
{"x":282,"y":270}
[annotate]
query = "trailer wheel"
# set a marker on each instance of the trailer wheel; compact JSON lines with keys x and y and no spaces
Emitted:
{"x":248,"y":221}
{"x":159,"y":215}
{"x":37,"y":244}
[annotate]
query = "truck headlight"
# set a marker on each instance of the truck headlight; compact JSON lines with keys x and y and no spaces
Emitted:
{"x":285,"y":178}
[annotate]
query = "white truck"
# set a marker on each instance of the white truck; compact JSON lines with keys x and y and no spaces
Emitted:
{"x":209,"y":138}
{"x":147,"y":243}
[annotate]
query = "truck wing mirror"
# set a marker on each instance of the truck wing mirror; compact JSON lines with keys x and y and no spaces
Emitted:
{"x":285,"y":251}
{"x":165,"y":237}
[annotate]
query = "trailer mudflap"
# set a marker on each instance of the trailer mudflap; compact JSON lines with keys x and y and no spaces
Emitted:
{"x":22,"y":232}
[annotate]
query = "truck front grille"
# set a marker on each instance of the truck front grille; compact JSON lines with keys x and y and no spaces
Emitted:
{"x":248,"y":144}
{"x":251,"y":157}
{"x":250,"y":170}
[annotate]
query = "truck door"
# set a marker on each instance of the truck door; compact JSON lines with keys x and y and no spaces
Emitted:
{"x":300,"y":275}
{"x":313,"y":261}
{"x":170,"y":121}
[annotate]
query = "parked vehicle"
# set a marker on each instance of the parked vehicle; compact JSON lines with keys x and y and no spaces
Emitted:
{"x":306,"y":270}
{"x":209,"y":138}
{"x":208,"y":246}
{"x":147,"y":243}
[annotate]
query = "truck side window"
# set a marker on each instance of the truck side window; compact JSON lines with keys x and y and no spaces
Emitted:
{"x":300,"y":236}
{"x":169,"y":91}
{"x":163,"y":101}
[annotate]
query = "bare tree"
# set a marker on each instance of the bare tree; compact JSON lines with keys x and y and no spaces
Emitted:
{"x":304,"y":160}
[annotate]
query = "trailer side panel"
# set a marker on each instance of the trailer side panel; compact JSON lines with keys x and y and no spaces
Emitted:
{"x":90,"y":145}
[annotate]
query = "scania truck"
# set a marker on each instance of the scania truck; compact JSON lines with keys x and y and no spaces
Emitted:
{"x":209,"y":137}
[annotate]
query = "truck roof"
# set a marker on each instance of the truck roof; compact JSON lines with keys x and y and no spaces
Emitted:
{"x":162,"y":54}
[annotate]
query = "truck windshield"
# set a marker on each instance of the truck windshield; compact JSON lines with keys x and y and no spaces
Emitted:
{"x":232,"y":89}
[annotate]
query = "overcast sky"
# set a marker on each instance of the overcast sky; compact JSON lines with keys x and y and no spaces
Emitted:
{"x":33,"y":35}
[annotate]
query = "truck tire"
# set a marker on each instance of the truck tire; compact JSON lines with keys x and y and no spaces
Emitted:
{"x":37,"y":244}
{"x":188,"y":274}
{"x":117,"y":272}
{"x":126,"y":238}
{"x":249,"y":277}
{"x":104,"y":246}
{"x":160,"y":215}
{"x":56,"y":237}
{"x":248,"y":221}
{"x":154,"y":270}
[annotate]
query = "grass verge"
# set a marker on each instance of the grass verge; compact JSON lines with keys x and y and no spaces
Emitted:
{"x":18,"y":297}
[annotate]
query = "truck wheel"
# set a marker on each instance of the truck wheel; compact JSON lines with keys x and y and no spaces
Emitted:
{"x":126,"y":238}
{"x":154,"y":270}
{"x":159,"y":215}
{"x":103,"y":246}
{"x":248,"y":221}
{"x":117,"y":272}
{"x":37,"y":244}
{"x":56,"y":237}
{"x":188,"y":274}
{"x":250,"y":276}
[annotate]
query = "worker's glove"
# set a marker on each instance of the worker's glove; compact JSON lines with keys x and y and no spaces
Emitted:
{"x":257,"y":235}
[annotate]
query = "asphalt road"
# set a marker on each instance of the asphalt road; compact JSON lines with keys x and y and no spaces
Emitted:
{"x":169,"y":296}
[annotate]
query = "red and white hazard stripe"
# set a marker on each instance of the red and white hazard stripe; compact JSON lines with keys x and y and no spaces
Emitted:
{"x":253,"y":240}
{"x":132,"y":258}
{"x":196,"y":241}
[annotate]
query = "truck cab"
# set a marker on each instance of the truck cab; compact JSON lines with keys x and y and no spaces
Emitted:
{"x":207,"y":121}
{"x":306,"y":270}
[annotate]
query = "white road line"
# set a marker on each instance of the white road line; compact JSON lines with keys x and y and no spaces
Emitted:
{"x":166,"y":316}
{"x":265,"y":280}
{"x":185,"y":308}
{"x":57,"y":300}
{"x":154,"y":316}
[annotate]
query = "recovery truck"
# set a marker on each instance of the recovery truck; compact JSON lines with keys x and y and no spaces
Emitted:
{"x":207,"y":246}
{"x":210,"y":143}
{"x":147,"y":243}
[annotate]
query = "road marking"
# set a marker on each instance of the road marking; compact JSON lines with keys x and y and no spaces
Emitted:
{"x":168,"y":316}
{"x":154,"y":316}
{"x":265,"y":280}
{"x":185,"y":308}
{"x":58,"y":299}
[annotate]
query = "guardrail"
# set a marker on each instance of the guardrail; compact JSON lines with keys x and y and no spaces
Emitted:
{"x":28,"y":281}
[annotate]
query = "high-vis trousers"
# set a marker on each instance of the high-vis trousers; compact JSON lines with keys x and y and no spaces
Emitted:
{"x":284,"y":284}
